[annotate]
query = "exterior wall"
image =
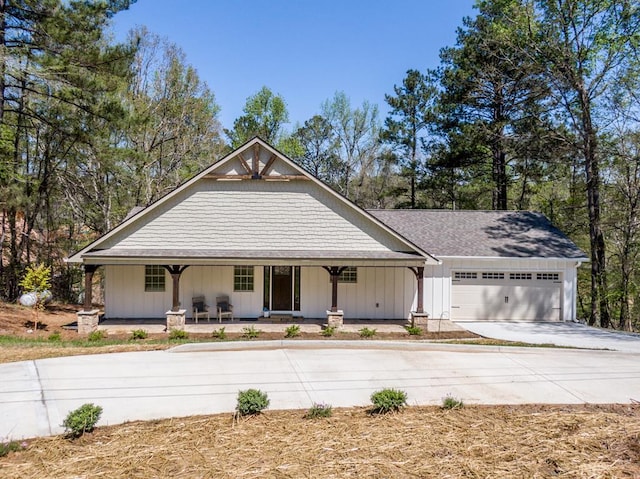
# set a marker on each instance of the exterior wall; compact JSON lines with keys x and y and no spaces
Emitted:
{"x":255,"y":215}
{"x":437,"y":284}
{"x":380,"y":293}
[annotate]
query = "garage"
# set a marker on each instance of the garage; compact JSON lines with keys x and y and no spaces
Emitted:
{"x":499,"y":295}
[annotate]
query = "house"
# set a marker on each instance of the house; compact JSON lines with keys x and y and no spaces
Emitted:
{"x":258,"y":228}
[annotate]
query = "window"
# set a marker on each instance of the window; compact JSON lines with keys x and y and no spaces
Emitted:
{"x":154,"y":278}
{"x":520,"y":275}
{"x":464,"y":275}
{"x":348,"y":275}
{"x":243,"y":278}
{"x":490,"y":275}
{"x":548,"y":276}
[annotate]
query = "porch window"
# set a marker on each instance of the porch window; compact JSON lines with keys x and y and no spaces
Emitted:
{"x":154,"y":278}
{"x":243,"y":278}
{"x":348,"y":275}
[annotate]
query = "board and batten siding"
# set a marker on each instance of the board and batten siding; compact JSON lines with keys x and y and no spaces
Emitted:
{"x":438,"y":286}
{"x":255,"y":215}
{"x":380,"y":293}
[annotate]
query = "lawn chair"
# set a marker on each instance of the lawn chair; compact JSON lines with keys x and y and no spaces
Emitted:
{"x":225,"y":310}
{"x":199,"y":308}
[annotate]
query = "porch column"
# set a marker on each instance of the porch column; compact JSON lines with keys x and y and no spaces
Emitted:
{"x":88,"y":318}
{"x":176,"y":271}
{"x":419,"y":317}
{"x":175,"y":316}
{"x":334,"y":316}
{"x":419,"y":273}
{"x":89,"y":269}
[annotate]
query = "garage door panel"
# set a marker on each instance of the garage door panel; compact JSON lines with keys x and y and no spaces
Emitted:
{"x":476,"y":299}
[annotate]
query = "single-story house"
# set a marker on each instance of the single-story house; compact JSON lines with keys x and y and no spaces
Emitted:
{"x":258,"y":228}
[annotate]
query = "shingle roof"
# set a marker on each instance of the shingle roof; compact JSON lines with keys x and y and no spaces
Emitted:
{"x":506,"y":234}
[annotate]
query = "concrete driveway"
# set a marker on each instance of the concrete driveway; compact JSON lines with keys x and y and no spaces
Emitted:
{"x":561,"y":334}
{"x":35,"y":396}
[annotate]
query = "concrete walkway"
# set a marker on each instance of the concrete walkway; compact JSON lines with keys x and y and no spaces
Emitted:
{"x":35,"y":396}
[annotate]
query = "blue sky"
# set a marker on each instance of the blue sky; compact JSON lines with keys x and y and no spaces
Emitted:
{"x":303,"y":50}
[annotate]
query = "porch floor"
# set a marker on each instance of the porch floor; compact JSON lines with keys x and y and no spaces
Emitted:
{"x":119,"y":326}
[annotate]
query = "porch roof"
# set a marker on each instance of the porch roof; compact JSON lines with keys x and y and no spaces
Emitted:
{"x":253,"y":257}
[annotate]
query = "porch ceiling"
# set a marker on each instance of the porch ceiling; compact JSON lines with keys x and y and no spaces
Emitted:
{"x":254,"y":257}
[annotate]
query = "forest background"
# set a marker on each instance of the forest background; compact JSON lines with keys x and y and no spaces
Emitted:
{"x":534,"y":107}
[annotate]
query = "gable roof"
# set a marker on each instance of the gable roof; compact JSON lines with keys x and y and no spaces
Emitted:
{"x":223,"y":209}
{"x":495,"y":234}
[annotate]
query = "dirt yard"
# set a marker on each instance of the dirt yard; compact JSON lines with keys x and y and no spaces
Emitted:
{"x":420,"y":442}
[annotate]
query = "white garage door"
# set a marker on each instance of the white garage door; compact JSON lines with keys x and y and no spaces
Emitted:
{"x":478,"y":295}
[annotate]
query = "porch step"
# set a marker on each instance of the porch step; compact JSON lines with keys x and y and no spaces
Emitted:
{"x":282,"y":318}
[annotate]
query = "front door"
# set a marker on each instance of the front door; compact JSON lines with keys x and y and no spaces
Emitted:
{"x":282,"y":290}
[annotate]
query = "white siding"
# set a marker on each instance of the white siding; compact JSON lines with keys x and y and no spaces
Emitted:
{"x":438,"y":290}
{"x":380,"y":293}
{"x":255,"y":215}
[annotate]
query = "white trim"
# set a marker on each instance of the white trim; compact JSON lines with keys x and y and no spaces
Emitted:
{"x":578,"y":261}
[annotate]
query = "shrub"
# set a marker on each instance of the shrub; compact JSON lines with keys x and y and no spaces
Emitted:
{"x":413,"y":330}
{"x":177,"y":334}
{"x":96,"y":335}
{"x":139,"y":334}
{"x":388,"y":400}
{"x":82,"y":420}
{"x":54,"y":337}
{"x":11,"y":446}
{"x":319,"y":410}
{"x":450,"y":402}
{"x":329,"y":331}
{"x":367,"y":333}
{"x":292,"y":331}
{"x":250,"y":332}
{"x":219,"y":333}
{"x":251,"y":402}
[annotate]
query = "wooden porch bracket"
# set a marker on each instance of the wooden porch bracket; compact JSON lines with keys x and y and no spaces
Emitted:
{"x":255,"y":163}
{"x":175,"y":271}
{"x":334,"y":273}
{"x":419,"y":273}
{"x":89,"y":269}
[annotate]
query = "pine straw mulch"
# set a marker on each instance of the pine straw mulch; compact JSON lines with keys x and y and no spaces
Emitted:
{"x":529,"y":441}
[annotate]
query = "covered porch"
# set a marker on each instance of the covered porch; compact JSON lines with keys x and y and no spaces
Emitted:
{"x":326,"y":289}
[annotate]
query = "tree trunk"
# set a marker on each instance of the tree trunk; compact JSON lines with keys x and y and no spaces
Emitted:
{"x":599,"y":300}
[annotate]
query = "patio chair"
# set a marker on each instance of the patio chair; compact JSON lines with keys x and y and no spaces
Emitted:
{"x":199,"y":308}
{"x":225,"y":310}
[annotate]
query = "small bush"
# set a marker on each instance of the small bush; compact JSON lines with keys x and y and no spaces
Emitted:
{"x":388,"y":400}
{"x":250,"y":332}
{"x":177,"y":334}
{"x":450,"y":402}
{"x":139,"y":334}
{"x":11,"y":446}
{"x":219,"y":333}
{"x":82,"y":420}
{"x":292,"y":331}
{"x":96,"y":335}
{"x":367,"y":333}
{"x":53,"y":337}
{"x":319,"y":410}
{"x":251,"y":402}
{"x":329,"y":331}
{"x":413,"y":330}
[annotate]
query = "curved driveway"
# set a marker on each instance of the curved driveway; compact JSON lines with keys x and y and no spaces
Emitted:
{"x":35,"y":396}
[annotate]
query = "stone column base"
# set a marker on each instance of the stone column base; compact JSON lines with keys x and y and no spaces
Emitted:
{"x":419,"y":319}
{"x":176,"y":319}
{"x":335,"y":319}
{"x":88,"y":321}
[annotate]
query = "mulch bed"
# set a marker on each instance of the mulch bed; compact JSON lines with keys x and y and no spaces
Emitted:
{"x":499,"y":441}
